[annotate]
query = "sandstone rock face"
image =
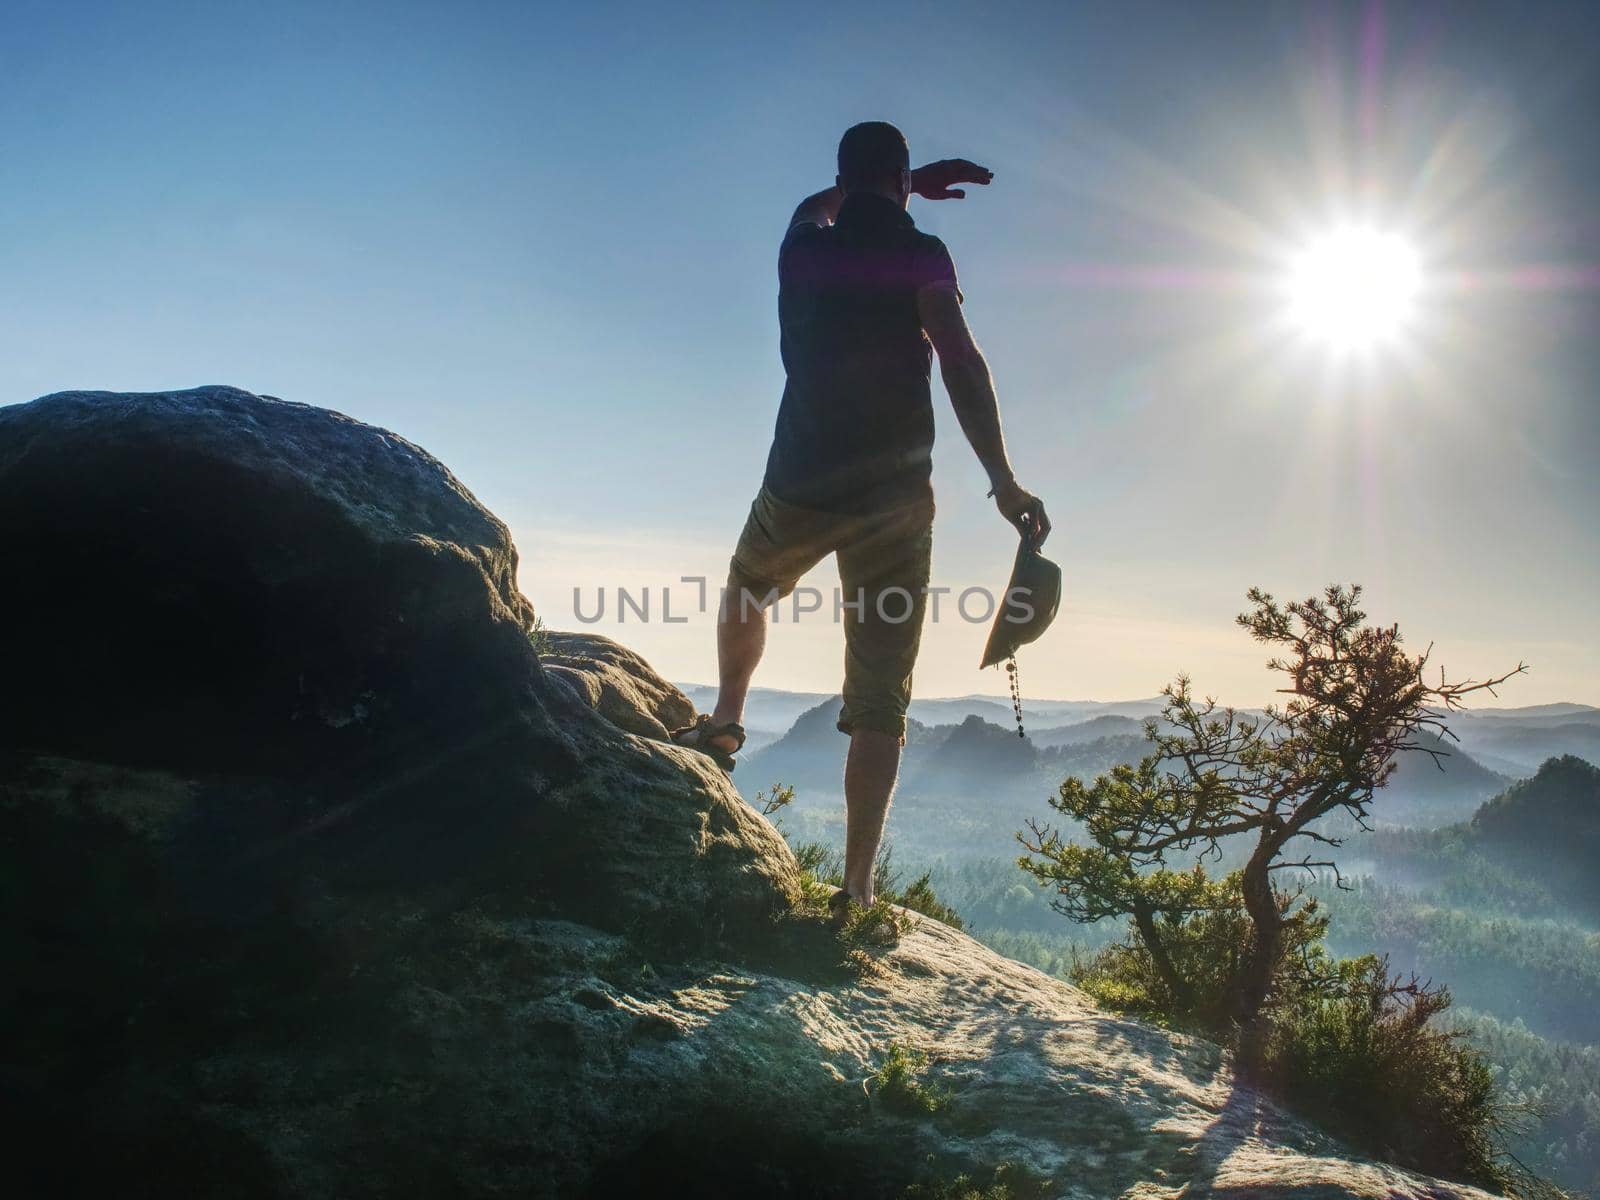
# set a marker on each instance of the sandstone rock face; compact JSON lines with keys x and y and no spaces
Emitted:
{"x":727,"y":1080}
{"x":618,"y":684}
{"x":486,"y":934}
{"x":315,"y":629}
{"x":210,"y":578}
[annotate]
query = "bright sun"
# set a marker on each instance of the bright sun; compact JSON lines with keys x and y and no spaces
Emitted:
{"x":1355,"y":288}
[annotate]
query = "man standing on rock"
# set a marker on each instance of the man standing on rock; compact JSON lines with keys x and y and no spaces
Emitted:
{"x":861,"y":293}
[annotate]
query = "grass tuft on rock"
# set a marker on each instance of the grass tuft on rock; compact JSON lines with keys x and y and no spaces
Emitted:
{"x":877,"y":924}
{"x":1008,"y":1181}
{"x":899,"y":1087}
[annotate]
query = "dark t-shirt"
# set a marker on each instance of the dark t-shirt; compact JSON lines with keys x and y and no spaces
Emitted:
{"x":855,"y":429}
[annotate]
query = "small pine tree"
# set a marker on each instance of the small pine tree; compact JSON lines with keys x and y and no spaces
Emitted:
{"x":1357,"y":701}
{"x":1238,"y":955}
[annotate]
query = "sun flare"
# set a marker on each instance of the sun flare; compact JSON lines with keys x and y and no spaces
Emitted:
{"x":1355,"y":288}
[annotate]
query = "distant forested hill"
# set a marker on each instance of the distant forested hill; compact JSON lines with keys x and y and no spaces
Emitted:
{"x":1533,"y":850}
{"x":966,"y":788}
{"x":1109,"y":725}
{"x":976,"y":754}
{"x":1515,"y":741}
{"x":1426,"y":790}
{"x":1550,"y":825}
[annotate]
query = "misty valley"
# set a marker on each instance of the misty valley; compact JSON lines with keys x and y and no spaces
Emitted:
{"x":1480,"y":870}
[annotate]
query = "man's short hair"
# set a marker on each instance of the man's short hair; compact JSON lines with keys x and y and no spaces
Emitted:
{"x":872,"y":154}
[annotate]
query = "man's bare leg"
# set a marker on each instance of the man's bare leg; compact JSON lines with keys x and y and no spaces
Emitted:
{"x":869,"y":775}
{"x":741,"y":639}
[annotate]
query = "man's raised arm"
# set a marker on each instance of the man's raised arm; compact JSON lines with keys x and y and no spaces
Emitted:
{"x":967,"y":379}
{"x":932,"y":181}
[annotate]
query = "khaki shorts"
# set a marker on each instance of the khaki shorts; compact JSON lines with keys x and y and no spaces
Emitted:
{"x":883,"y":575}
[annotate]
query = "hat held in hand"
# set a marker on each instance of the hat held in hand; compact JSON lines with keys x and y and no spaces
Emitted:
{"x":1028,"y":607}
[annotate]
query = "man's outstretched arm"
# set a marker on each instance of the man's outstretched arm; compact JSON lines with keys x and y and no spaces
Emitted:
{"x":967,"y":379}
{"x":932,"y":181}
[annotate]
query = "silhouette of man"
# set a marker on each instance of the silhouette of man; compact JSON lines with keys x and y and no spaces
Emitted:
{"x":861,"y":294}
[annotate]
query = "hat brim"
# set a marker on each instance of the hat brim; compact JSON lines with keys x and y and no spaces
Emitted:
{"x":1031,"y":601}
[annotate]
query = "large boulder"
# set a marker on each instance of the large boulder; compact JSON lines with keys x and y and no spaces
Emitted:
{"x":315,"y":630}
{"x":212,"y":579}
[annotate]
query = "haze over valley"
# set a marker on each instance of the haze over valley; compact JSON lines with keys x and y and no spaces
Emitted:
{"x":1479,"y":870}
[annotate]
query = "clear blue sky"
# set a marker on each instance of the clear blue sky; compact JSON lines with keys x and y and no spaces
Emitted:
{"x":540,"y":241}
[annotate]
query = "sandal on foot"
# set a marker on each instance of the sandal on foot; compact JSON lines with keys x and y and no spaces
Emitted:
{"x":699,"y":735}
